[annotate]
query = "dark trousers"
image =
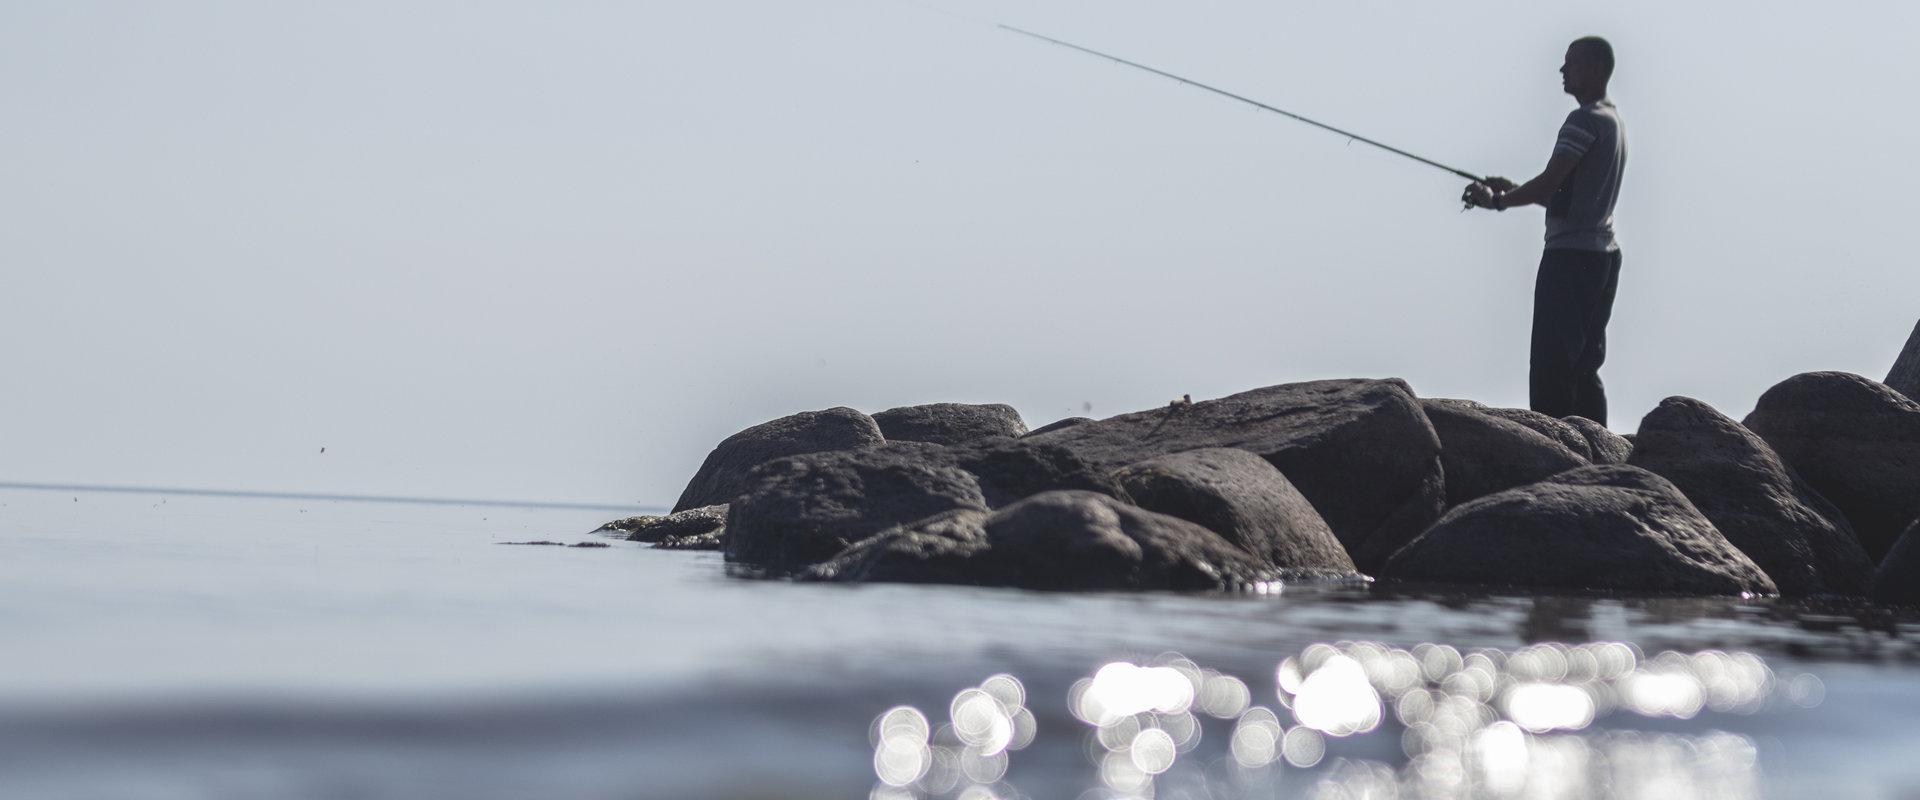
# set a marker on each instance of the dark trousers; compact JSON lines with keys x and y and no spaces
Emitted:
{"x":1572,"y":299}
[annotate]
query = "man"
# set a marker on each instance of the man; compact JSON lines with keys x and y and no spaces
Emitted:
{"x":1573,"y":294}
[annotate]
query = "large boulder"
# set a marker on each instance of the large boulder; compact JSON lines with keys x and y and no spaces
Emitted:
{"x":724,"y":474}
{"x":1855,"y":441}
{"x":1243,"y":498}
{"x":1905,"y":375}
{"x":1609,"y":527}
{"x":1603,"y":445}
{"x":949,"y":423}
{"x":1361,"y":451}
{"x":1053,"y":540}
{"x":803,"y":509}
{"x":1898,"y":580}
{"x":1742,"y":486}
{"x":1485,"y":451}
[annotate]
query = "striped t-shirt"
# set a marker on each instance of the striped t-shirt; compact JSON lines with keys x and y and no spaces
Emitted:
{"x":1580,"y":213}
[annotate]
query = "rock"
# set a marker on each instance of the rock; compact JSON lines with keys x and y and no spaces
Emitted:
{"x":1603,"y":445}
{"x":724,"y":474}
{"x":938,"y":549}
{"x":691,"y":522}
{"x":804,"y":509}
{"x":1243,"y":498}
{"x":1059,"y":425}
{"x":1802,"y":542}
{"x":1898,"y":580}
{"x":1053,"y":540}
{"x":715,"y":539}
{"x":949,"y":423}
{"x":1485,"y":451}
{"x":1609,"y":527}
{"x":551,"y":543}
{"x":1856,"y":442}
{"x":1905,"y":375}
{"x":1013,"y":470}
{"x":1361,"y":451}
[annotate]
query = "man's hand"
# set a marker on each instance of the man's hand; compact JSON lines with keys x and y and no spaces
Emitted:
{"x":1501,"y":184}
{"x":1477,"y":195}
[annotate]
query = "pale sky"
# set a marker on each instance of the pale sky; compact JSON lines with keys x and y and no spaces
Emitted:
{"x":556,"y":251}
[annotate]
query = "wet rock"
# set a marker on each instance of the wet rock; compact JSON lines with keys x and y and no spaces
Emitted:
{"x":711,"y":540}
{"x":1855,"y":441}
{"x":1609,"y":527}
{"x":1485,"y":451}
{"x":803,"y":509}
{"x":1361,"y":451}
{"x":691,"y":522}
{"x":1054,"y":540}
{"x":724,"y":474}
{"x":1898,"y":579}
{"x":1059,"y":425}
{"x":1603,"y":445}
{"x":1243,"y":498}
{"x":1905,"y":375}
{"x":1761,"y":506}
{"x":949,"y":423}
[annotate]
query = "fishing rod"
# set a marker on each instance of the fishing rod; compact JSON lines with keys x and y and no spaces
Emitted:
{"x":1249,"y":101}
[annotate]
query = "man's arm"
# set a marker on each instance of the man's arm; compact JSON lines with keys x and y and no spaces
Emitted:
{"x":1533,"y":192}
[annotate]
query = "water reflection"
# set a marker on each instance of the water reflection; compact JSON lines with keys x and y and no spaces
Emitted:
{"x":1366,"y":720}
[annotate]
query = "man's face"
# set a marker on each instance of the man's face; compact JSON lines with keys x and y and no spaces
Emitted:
{"x":1580,"y":72}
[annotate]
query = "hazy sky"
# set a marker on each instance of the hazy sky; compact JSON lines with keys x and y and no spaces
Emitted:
{"x":558,"y":250}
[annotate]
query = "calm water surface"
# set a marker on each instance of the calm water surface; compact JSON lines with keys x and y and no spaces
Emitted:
{"x":172,"y":646}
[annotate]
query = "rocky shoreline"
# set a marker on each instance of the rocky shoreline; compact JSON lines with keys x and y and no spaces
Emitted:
{"x":1817,"y":492}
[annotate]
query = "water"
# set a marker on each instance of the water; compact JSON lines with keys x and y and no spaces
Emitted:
{"x":177,"y":646}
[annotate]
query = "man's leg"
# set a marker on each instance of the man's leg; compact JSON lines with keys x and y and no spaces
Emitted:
{"x":1555,"y":339}
{"x":1564,"y":297}
{"x":1590,"y":393}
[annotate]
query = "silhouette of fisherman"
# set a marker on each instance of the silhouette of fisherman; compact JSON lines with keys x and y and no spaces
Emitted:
{"x":1573,"y":294}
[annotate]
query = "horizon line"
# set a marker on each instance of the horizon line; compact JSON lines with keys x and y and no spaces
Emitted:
{"x":350,"y":498}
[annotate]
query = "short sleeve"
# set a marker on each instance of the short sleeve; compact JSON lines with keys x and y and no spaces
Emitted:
{"x":1575,"y":137}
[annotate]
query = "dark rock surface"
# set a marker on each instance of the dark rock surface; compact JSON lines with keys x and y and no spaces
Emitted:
{"x":1558,"y":430}
{"x":1607,"y":527}
{"x":691,"y":522}
{"x":804,"y":509}
{"x":1013,"y":470}
{"x":1360,"y":450}
{"x":1485,"y":451}
{"x":724,"y":474}
{"x":1761,"y":506}
{"x":1603,"y":445}
{"x":1905,"y":375}
{"x":1855,"y":441}
{"x":1243,"y":498}
{"x":949,"y":423}
{"x":1898,"y":579}
{"x":1053,"y":540}
{"x":1059,"y":425}
{"x":938,"y":549}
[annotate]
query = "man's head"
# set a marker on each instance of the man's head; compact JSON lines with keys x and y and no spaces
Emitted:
{"x":1589,"y":64}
